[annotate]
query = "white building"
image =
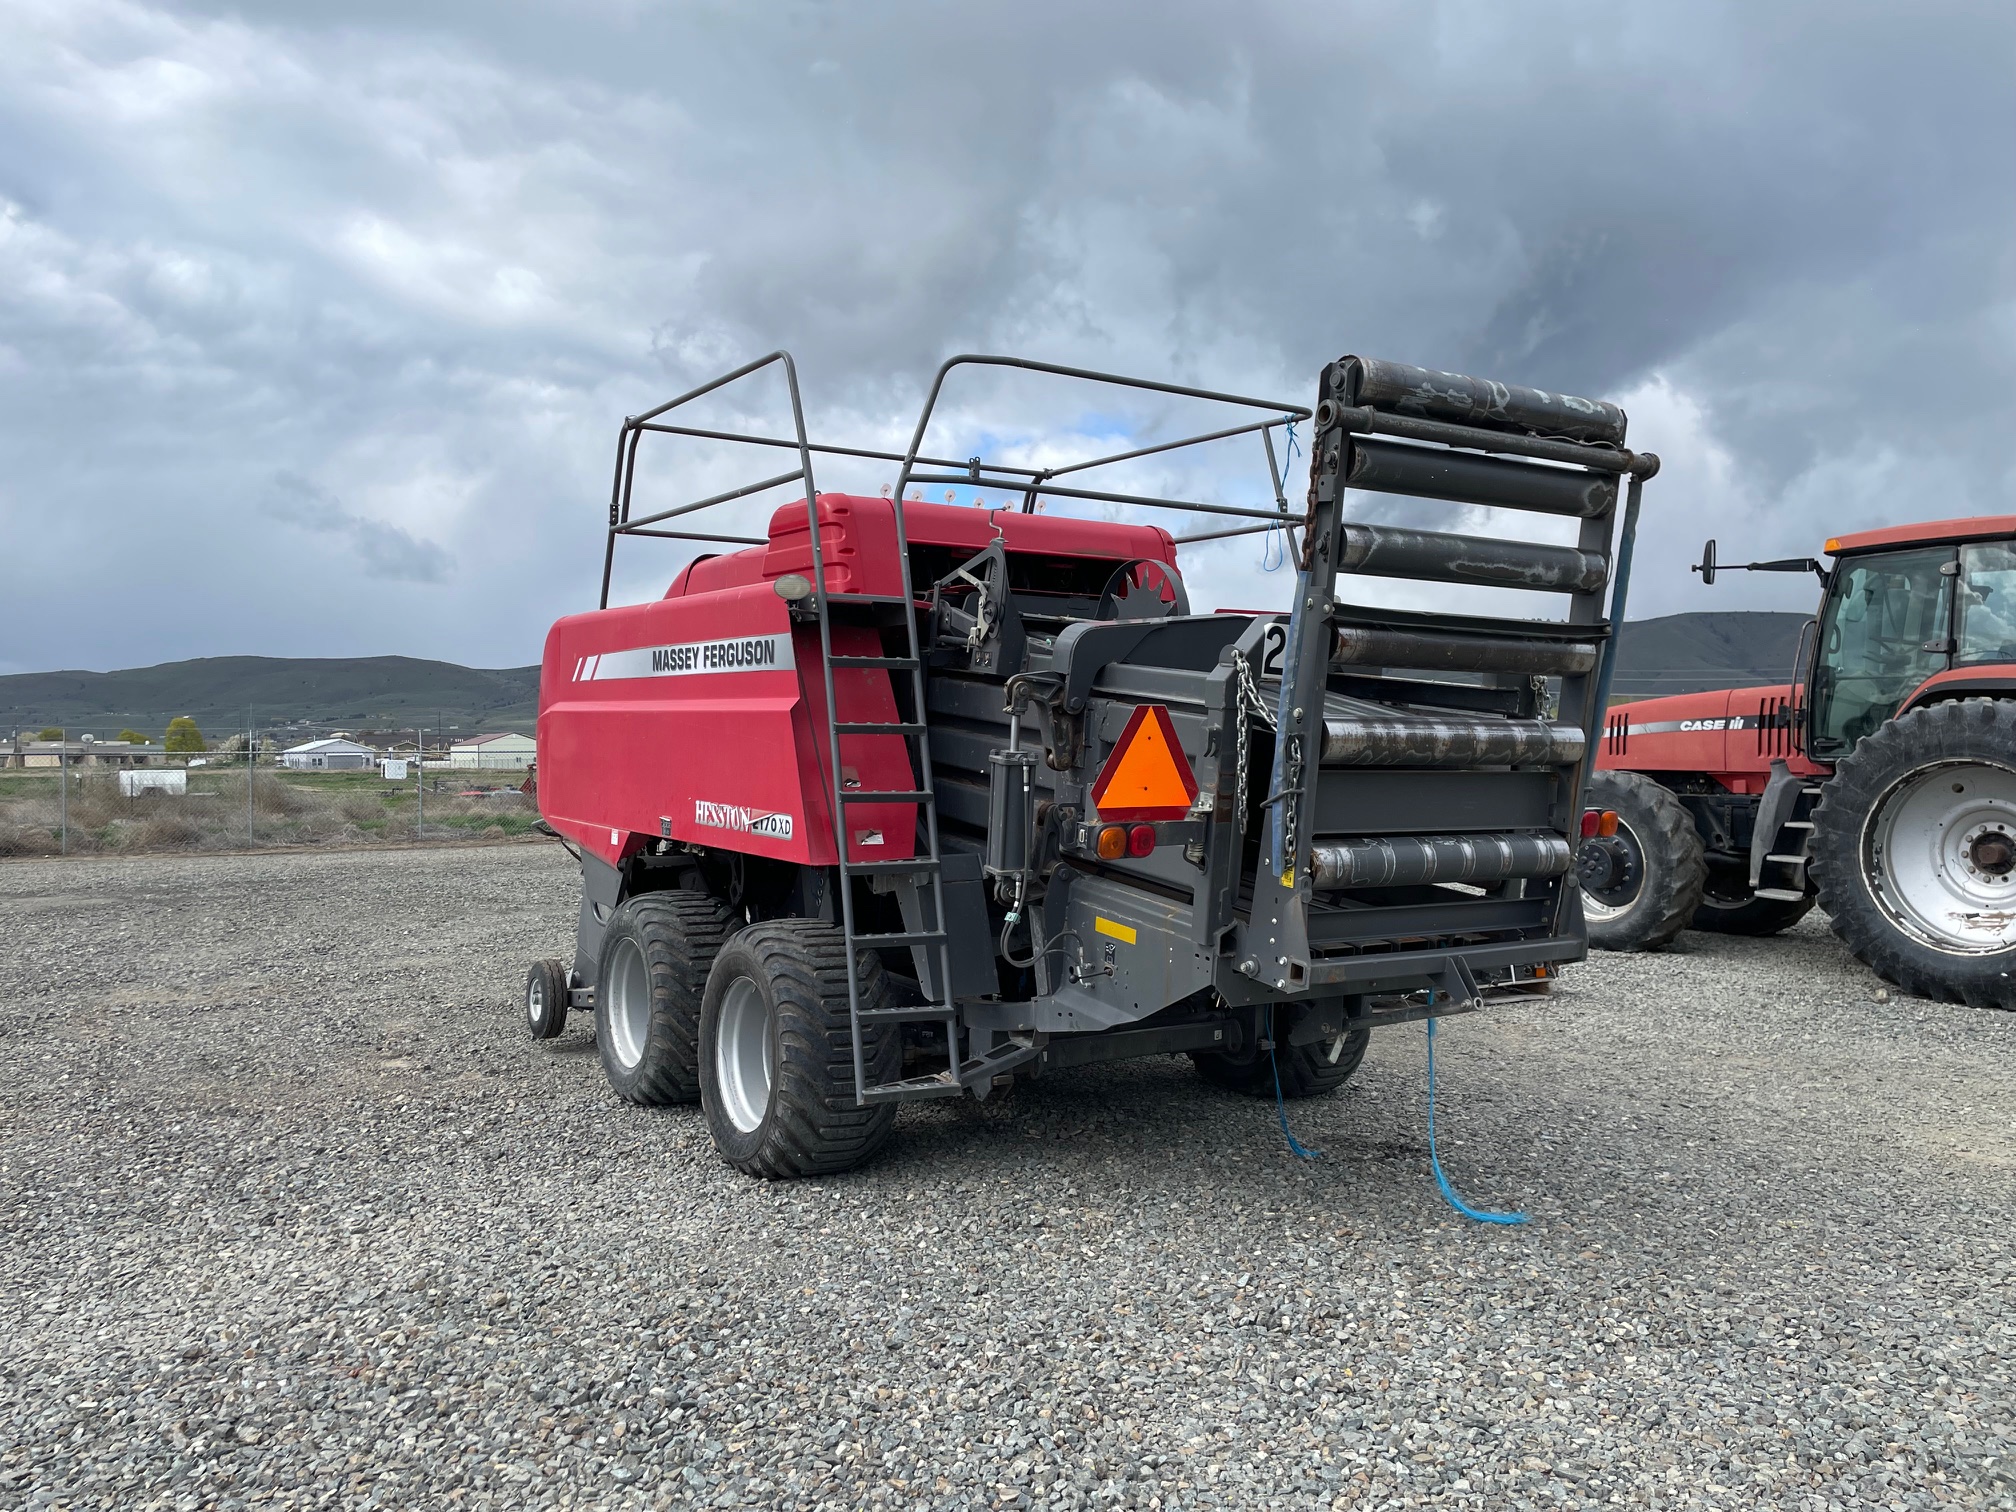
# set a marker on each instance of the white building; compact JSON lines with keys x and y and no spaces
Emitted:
{"x":511,"y":753}
{"x":332,"y":755}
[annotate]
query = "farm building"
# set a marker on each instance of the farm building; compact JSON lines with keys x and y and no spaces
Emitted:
{"x":332,"y":755}
{"x":81,"y":752}
{"x":507,"y":752}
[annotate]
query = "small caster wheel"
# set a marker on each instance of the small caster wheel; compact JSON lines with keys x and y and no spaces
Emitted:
{"x":546,"y":999}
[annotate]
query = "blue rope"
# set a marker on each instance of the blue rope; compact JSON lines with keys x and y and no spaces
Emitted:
{"x":1274,"y":544}
{"x":1443,"y":1181}
{"x":1302,"y":1151}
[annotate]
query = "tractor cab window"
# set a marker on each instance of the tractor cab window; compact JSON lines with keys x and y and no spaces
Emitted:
{"x":1986,"y":603}
{"x":1883,"y":631}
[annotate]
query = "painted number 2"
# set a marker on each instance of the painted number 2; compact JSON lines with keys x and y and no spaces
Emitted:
{"x":1273,"y":641}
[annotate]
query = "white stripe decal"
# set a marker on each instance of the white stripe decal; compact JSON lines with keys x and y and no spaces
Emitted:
{"x":747,"y":653}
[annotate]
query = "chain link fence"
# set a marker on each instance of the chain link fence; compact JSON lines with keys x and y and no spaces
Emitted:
{"x":234,"y":802}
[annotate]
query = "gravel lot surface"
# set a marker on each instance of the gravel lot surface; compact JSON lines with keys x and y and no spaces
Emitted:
{"x":291,"y":1215}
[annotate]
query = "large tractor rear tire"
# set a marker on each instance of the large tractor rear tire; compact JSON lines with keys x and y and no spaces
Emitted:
{"x":777,"y":1052}
{"x":1914,"y":852}
{"x":654,"y":965}
{"x":1642,"y":886}
{"x":1728,"y":906}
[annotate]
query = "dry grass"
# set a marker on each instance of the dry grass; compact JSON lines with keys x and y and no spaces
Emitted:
{"x":212,"y":817}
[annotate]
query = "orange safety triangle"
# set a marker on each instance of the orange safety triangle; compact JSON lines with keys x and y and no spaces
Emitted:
{"x":1147,"y":776}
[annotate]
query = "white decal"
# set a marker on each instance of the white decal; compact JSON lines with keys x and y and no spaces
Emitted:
{"x":745,"y":653}
{"x":747,"y":821}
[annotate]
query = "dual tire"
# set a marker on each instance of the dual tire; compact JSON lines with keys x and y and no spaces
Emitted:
{"x":753,"y":1024}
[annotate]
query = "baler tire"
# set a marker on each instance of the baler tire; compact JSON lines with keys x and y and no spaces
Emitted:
{"x":775,"y":1014}
{"x":660,"y":945}
{"x":1748,"y":916}
{"x":1675,"y":871}
{"x":1306,"y":1070}
{"x":1889,"y":767}
{"x":546,"y":1000}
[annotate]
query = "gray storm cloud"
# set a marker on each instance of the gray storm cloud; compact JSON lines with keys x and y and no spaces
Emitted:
{"x":429,"y":256}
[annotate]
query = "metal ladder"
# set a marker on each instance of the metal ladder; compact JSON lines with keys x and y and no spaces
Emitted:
{"x":933,"y":936}
{"x":1793,"y":863}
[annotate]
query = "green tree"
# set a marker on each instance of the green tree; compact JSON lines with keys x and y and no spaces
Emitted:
{"x":52,"y":733}
{"x":184,"y":737}
{"x":132,"y":737}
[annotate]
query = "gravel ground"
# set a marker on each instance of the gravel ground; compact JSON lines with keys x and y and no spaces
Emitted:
{"x":291,"y":1215}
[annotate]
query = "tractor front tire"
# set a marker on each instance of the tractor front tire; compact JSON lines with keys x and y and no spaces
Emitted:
{"x":1914,"y":852}
{"x":655,"y":958}
{"x":777,"y":1052}
{"x":1640,"y":888}
{"x":1728,"y":906}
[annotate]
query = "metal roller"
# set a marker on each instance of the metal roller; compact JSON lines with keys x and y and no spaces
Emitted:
{"x":1388,"y":551}
{"x":1429,"y":742}
{"x":1466,"y":478}
{"x":1412,"y":860}
{"x":1432,"y":650}
{"x":1407,"y":390}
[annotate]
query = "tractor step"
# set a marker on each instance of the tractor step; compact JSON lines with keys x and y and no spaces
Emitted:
{"x":912,"y":1014}
{"x":1780,"y":894}
{"x":1789,"y":860}
{"x":1798,"y":824}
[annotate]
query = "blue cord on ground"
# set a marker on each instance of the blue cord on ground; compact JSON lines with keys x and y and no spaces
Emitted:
{"x":1302,"y":1151}
{"x":1433,"y":1159}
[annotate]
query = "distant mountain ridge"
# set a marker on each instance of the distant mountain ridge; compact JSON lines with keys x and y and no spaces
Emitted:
{"x":1689,"y":653}
{"x":1676,"y":653}
{"x":311,"y":694}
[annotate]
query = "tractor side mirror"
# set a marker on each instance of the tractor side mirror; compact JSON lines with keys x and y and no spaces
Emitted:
{"x":1706,"y":566}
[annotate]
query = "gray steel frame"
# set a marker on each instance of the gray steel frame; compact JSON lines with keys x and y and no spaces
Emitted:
{"x":1032,"y":483}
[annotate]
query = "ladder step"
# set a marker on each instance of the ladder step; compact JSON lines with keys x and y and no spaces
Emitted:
{"x":915,"y":1015}
{"x":1799,"y":824}
{"x":899,"y":663}
{"x":859,"y":796}
{"x":1780,"y":894}
{"x":902,"y":937}
{"x":856,"y":728}
{"x":1812,"y":792}
{"x":1794,"y":860}
{"x":943,"y":1084}
{"x":889,"y":868}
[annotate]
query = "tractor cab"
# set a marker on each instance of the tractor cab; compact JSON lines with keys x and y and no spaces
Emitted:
{"x":1894,"y":618}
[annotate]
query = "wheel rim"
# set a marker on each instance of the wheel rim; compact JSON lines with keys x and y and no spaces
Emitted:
{"x":742,"y":1054}
{"x":627,"y":993}
{"x":1937,"y":851}
{"x":1616,"y":900}
{"x":535,"y":1002}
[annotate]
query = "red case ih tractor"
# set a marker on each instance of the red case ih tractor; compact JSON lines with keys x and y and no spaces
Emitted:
{"x":902,"y":800}
{"x":1881,"y":786}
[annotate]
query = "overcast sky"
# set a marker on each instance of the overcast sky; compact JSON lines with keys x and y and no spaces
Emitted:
{"x":315,"y":334}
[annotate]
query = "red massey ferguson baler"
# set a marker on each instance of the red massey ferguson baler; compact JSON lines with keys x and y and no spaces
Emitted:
{"x":1881,"y":785}
{"x":904,"y":800}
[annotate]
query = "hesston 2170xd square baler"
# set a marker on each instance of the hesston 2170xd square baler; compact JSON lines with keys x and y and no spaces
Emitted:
{"x":902,"y":800}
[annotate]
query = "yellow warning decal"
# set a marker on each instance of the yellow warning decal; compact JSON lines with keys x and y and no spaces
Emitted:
{"x":1121,"y":932}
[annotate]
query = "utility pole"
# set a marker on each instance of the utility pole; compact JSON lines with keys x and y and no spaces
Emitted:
{"x":420,"y":784}
{"x":251,"y":758}
{"x":63,"y":789}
